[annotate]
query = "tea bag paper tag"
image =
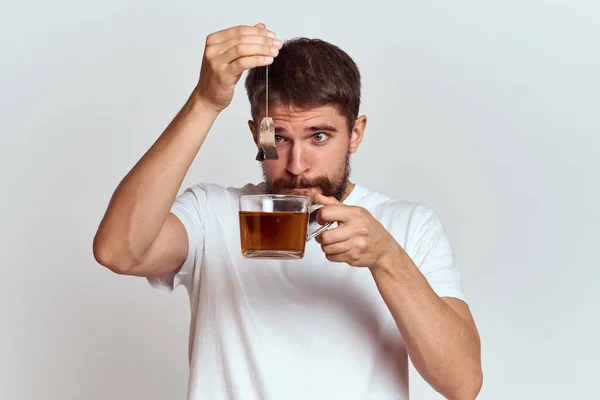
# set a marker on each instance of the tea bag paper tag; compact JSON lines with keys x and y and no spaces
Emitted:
{"x":266,"y":140}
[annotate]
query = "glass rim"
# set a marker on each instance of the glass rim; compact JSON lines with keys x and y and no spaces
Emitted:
{"x":277,"y":196}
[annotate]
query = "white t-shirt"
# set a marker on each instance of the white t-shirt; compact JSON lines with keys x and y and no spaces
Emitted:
{"x":297,"y":329}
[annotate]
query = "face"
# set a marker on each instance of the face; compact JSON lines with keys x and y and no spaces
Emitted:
{"x":314,"y":147}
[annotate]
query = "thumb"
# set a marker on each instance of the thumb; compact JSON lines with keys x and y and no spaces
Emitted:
{"x":260,"y":25}
{"x":318,"y":198}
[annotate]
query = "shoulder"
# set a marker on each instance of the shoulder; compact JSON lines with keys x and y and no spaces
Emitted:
{"x":383,"y":203}
{"x":414,"y":217}
{"x":215,"y":193}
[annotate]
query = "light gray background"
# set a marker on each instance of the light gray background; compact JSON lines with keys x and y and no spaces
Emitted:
{"x":488,"y":113}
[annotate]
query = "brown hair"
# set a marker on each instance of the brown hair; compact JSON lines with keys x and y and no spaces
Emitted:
{"x":308,"y":73}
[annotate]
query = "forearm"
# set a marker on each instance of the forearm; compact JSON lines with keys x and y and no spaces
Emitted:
{"x":143,"y":199}
{"x":443,"y":346}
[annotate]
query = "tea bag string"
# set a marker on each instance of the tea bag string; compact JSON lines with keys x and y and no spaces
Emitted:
{"x":267,"y":91}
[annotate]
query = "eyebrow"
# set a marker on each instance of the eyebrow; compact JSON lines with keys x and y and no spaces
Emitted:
{"x":322,"y":127}
{"x":314,"y":128}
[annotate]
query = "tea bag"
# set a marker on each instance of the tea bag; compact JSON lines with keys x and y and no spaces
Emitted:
{"x":266,"y":138}
{"x":267,"y":149}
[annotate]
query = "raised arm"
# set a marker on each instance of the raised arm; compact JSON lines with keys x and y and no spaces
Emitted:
{"x":138,"y":235}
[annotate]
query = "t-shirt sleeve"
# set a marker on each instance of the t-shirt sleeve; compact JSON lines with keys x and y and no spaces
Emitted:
{"x":189,"y":208}
{"x":432,"y":252}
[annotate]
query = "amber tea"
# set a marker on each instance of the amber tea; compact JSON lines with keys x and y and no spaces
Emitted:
{"x":283,"y":233}
{"x":275,"y":226}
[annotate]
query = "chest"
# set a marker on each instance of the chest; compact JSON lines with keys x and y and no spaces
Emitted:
{"x":311,"y":290}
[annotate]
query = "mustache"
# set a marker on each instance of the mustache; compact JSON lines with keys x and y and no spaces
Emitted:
{"x":300,"y":183}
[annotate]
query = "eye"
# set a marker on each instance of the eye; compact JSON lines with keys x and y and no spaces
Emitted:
{"x":278,"y":139}
{"x":320,"y":137}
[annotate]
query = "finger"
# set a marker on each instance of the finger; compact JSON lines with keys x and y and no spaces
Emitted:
{"x":335,"y":235}
{"x":334,"y":213}
{"x":246,"y":50}
{"x":340,"y":257}
{"x":227,"y":45}
{"x":241,"y":30}
{"x":318,"y":198}
{"x":336,"y":248}
{"x":242,"y":64}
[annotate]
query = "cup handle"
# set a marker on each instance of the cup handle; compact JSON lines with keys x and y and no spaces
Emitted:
{"x":313,"y":208}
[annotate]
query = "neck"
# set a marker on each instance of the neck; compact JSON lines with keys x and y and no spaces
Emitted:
{"x":349,"y":188}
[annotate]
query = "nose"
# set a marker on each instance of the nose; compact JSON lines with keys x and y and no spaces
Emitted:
{"x":297,"y":163}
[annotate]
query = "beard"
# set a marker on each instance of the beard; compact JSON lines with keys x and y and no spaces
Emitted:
{"x":331,"y":187}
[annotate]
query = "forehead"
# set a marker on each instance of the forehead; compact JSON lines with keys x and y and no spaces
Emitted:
{"x":298,"y":115}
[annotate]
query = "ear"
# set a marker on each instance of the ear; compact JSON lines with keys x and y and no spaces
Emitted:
{"x":357,"y":133}
{"x":252,"y":130}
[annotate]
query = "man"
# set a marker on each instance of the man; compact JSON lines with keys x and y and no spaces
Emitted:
{"x":379,"y":287}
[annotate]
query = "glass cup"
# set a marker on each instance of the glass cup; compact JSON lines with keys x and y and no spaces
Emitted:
{"x":274,"y":226}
